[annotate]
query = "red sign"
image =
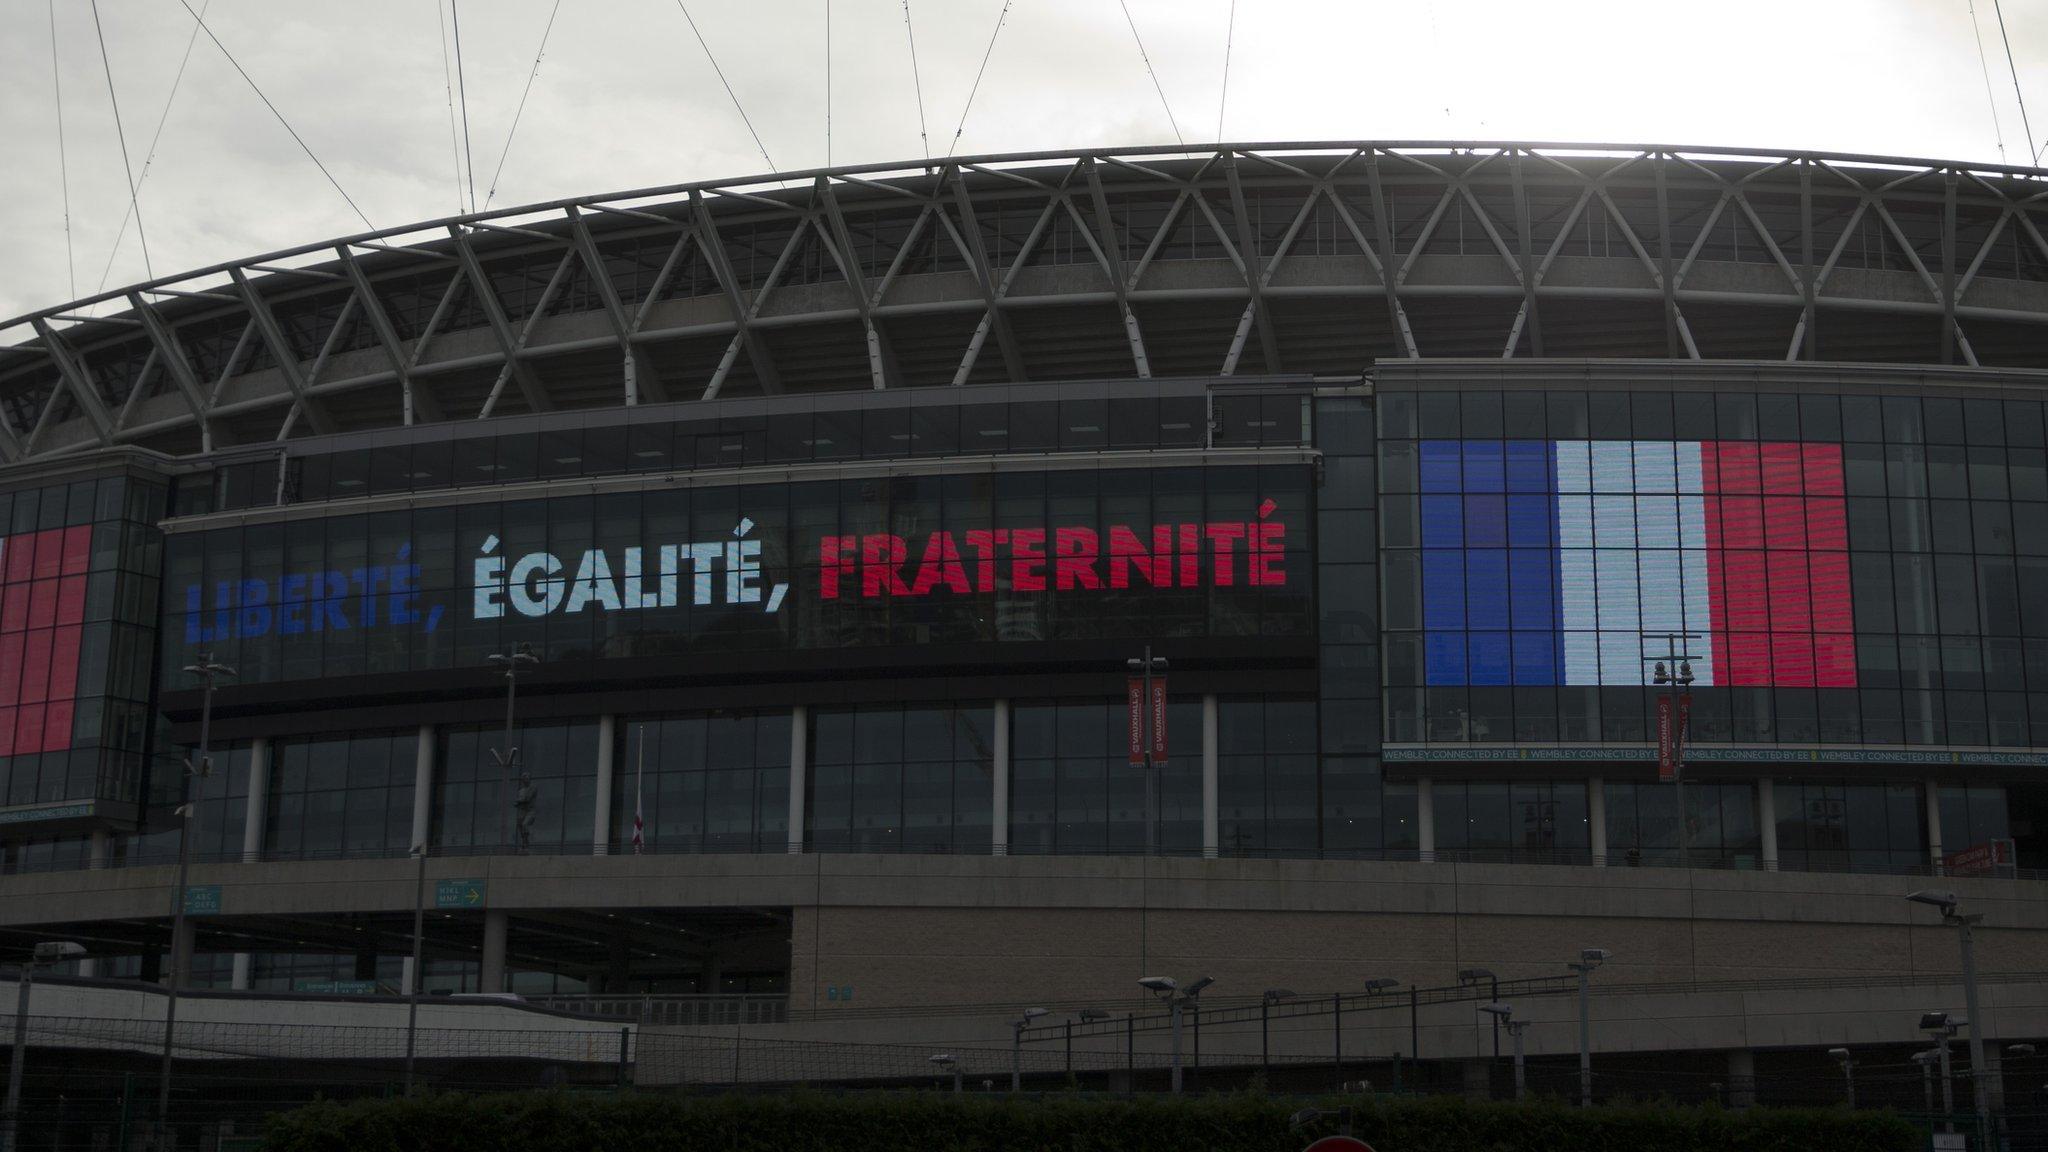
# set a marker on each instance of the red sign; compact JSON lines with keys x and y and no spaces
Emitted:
{"x":1339,"y":1144}
{"x":1159,"y":721}
{"x":1056,"y":558}
{"x":1979,"y":859}
{"x":1667,"y":740}
{"x":1134,"y":696}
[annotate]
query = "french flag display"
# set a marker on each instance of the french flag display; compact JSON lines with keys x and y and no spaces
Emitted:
{"x":1570,"y":561}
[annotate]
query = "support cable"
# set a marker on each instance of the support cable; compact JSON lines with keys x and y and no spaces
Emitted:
{"x":728,"y":84}
{"x":150,"y":157}
{"x":121,"y":137}
{"x":1984,"y":65}
{"x":1150,"y":71}
{"x":911,"y":32}
{"x":521,"y":110}
{"x":1999,"y":9}
{"x":63,"y":161}
{"x":828,"y":83}
{"x":1000,"y":18}
{"x":1223,"y":101}
{"x":296,"y":138}
{"x":462,"y":89}
{"x":448,"y":86}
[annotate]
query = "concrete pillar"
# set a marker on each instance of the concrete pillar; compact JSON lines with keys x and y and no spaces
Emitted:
{"x":711,"y":972}
{"x":1425,"y":818}
{"x":1211,"y":842}
{"x":243,"y":965}
{"x":492,"y":975}
{"x":1478,"y":1079}
{"x":1932,"y":791}
{"x":405,"y":976}
{"x":423,"y":786}
{"x":1741,"y":1078}
{"x":1767,"y":821}
{"x":799,"y":767}
{"x":256,"y":811}
{"x":999,"y":805}
{"x":601,"y":810}
{"x":1596,"y":820}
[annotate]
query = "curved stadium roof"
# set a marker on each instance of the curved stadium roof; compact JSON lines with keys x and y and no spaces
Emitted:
{"x":1249,"y":259}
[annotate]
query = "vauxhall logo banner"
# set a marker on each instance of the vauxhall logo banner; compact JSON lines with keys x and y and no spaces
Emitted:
{"x":729,"y":576}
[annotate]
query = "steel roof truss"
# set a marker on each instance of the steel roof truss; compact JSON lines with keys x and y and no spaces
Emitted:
{"x":967,"y":238}
{"x":413,"y":400}
{"x":281,"y":351}
{"x":533,"y":319}
{"x":164,"y":344}
{"x":838,"y":241}
{"x":713,"y":247}
{"x":636,"y":369}
{"x":77,"y":376}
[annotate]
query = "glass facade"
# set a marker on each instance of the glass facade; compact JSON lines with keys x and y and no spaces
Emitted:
{"x":901,"y":778}
{"x":703,"y":782}
{"x":79,"y":566}
{"x":1843,"y":569}
{"x":472,"y":807}
{"x":341,"y":795}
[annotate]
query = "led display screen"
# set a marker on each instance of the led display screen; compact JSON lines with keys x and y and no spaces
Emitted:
{"x":912,"y":560}
{"x":1571,"y":562}
{"x":42,"y":619}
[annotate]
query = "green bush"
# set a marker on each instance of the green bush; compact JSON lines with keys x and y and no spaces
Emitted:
{"x":891,"y":1122}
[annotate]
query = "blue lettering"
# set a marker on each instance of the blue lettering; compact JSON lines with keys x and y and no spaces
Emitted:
{"x":254,"y":617}
{"x":327,"y":614}
{"x":403,"y":593}
{"x":291,"y":605}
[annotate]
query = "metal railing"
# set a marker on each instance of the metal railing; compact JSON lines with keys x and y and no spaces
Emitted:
{"x":676,"y":1009}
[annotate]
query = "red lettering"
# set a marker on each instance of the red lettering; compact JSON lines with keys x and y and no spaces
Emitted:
{"x":1076,"y":564}
{"x":835,"y":560}
{"x":1027,"y":559}
{"x":1223,"y":538}
{"x":1126,"y":552}
{"x":1190,"y":555}
{"x":984,"y":545}
{"x":1267,"y":550}
{"x":880,"y":558}
{"x":941,"y":564}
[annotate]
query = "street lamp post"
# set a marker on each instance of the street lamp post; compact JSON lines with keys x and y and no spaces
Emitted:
{"x":1946,"y":902}
{"x":1848,"y":1064}
{"x":1942,"y":1026}
{"x":1589,"y":959}
{"x":1505,"y":1014}
{"x":1266,"y":1002}
{"x":950,"y":1063}
{"x":1177,"y":1001}
{"x":1674,"y":678}
{"x":196,"y":770}
{"x":1145,"y":668}
{"x":49,"y":952}
{"x":512,"y":662}
{"x":419,"y":931}
{"x":1017,"y":1028}
{"x":1926,"y":1060}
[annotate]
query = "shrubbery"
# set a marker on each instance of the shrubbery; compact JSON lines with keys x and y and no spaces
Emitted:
{"x":929,"y":1122}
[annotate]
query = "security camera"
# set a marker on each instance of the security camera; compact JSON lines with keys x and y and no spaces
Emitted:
{"x":1157,"y":983}
{"x":1504,"y":1011}
{"x":1934,"y":1021}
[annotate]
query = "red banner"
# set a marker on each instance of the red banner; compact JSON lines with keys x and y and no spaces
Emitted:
{"x":1667,"y":740}
{"x":1134,"y":695}
{"x":1159,"y":721}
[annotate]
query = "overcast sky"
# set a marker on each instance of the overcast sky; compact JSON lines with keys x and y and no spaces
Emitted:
{"x":626,"y":97}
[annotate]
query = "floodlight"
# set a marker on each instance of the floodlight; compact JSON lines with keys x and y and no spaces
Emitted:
{"x":1938,"y":897}
{"x":1595,"y":955}
{"x":1277,"y":994}
{"x":1473,"y":975}
{"x":945,"y":1059}
{"x":1381,"y":984}
{"x":1195,"y":989}
{"x":1157,"y":983}
{"x":1504,"y":1011}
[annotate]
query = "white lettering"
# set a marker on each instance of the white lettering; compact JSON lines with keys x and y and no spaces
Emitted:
{"x":537,"y":597}
{"x":488,"y":574}
{"x":593,"y":582}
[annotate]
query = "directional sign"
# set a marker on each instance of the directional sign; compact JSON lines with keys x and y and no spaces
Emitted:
{"x":338,"y":987}
{"x":459,"y":893}
{"x":202,"y":900}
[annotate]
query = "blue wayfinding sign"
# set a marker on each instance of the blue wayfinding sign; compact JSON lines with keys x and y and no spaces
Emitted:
{"x":202,"y":900}
{"x":459,"y":893}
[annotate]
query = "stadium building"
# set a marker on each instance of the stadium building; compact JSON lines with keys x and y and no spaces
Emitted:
{"x":832,"y":505}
